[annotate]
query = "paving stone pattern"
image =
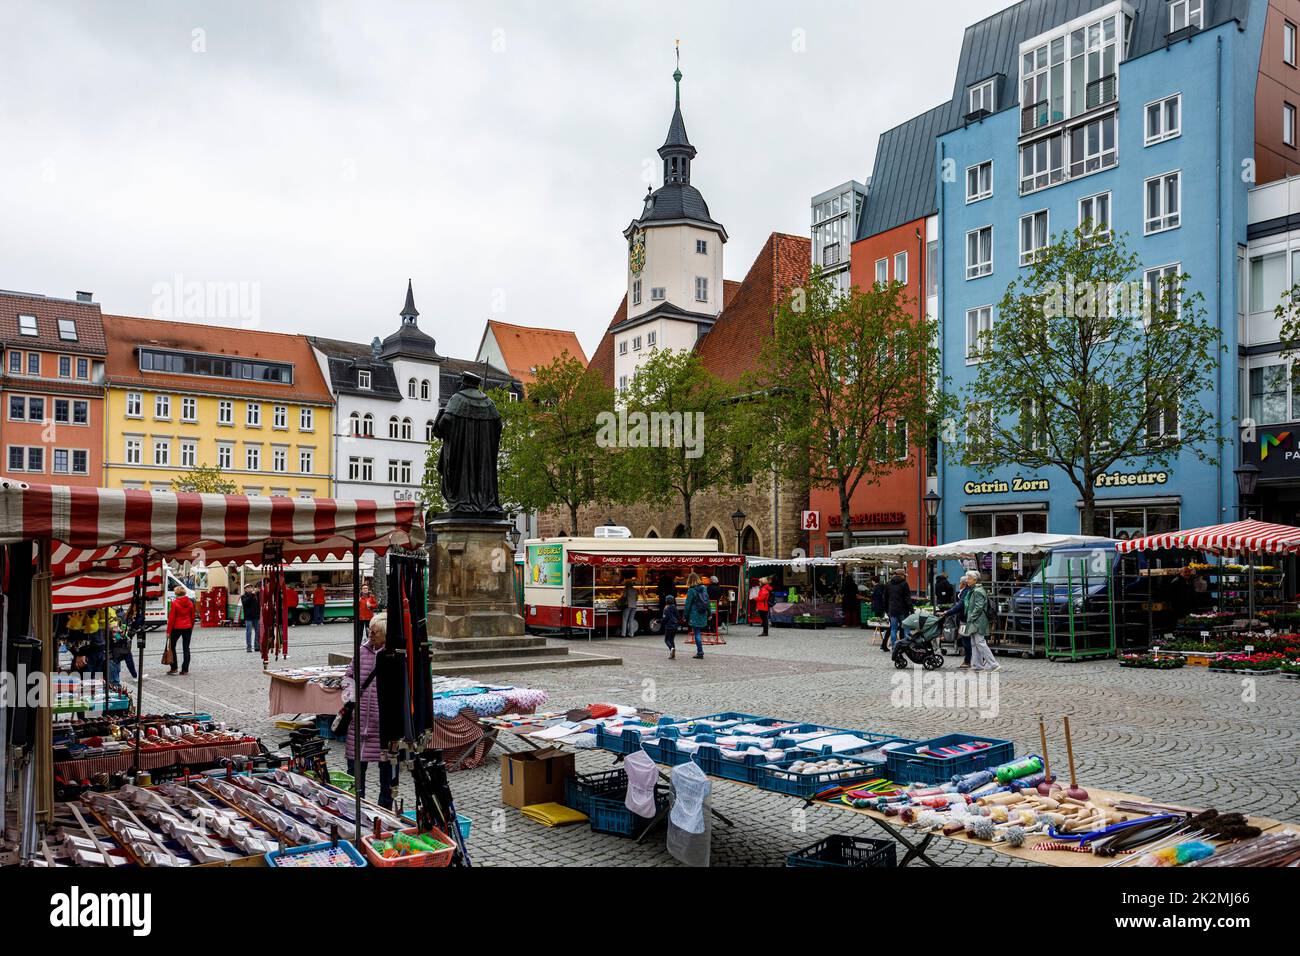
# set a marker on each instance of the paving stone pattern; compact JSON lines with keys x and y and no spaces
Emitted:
{"x":1189,"y":736}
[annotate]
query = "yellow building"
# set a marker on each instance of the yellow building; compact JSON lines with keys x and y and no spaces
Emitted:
{"x":181,"y":395}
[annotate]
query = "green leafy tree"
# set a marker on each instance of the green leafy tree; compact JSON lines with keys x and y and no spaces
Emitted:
{"x":205,"y":479}
{"x":549,"y":451}
{"x":1086,"y":368}
{"x":848,"y":380}
{"x":682,"y":431}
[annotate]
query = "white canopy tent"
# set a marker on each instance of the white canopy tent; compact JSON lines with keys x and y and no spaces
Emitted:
{"x":791,"y":562}
{"x":882,"y":552}
{"x":1028,"y":542}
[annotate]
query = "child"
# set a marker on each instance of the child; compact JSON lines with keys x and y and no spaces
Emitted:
{"x":670,"y":622}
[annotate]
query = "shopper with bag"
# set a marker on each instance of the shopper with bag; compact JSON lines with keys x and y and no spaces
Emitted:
{"x":180,"y":628}
{"x":955,"y":618}
{"x":763,"y":602}
{"x":697,"y":611}
{"x":360,"y":713}
{"x":978,"y":627}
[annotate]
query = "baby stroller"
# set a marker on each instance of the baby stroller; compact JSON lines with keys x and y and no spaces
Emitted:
{"x":917,"y":645}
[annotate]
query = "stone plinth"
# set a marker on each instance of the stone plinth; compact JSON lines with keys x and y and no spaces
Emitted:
{"x":471,"y":586}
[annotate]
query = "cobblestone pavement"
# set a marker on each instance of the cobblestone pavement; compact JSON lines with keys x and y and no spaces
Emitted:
{"x":1189,"y":736}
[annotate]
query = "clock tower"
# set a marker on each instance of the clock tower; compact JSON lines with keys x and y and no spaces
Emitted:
{"x":674,"y":260}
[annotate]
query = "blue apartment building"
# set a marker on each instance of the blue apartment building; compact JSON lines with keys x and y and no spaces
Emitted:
{"x":1152,"y":118}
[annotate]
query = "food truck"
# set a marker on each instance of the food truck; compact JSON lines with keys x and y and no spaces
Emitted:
{"x":572,"y":585}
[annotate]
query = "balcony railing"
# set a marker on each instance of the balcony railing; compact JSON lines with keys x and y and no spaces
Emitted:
{"x":1100,"y":92}
{"x":1033,"y":116}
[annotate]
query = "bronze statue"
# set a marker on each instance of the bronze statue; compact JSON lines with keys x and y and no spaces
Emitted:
{"x":470,"y":429}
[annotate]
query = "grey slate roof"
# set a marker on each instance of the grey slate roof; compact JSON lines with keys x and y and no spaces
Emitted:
{"x":677,"y":201}
{"x":903,"y":181}
{"x":346,"y":358}
{"x":677,"y":135}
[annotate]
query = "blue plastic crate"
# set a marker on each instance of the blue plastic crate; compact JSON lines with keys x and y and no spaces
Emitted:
{"x":843,"y":852}
{"x":578,"y":790}
{"x":873,"y":741}
{"x":463,"y":822}
{"x":609,"y":814}
{"x":294,"y":856}
{"x":729,"y":715}
{"x":625,"y":741}
{"x":713,"y":763}
{"x":906,"y":765}
{"x":778,"y":779}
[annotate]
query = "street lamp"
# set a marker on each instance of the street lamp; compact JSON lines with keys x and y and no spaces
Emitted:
{"x":1247,"y":481}
{"x":931,"y":502}
{"x":738,"y":522}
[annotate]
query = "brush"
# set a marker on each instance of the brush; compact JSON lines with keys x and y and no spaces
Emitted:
{"x":1075,"y":791}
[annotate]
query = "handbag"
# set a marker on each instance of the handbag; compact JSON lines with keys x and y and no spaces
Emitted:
{"x":344,"y":718}
{"x":169,"y":655}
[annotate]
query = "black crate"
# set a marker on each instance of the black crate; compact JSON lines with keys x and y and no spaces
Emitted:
{"x":845,"y":851}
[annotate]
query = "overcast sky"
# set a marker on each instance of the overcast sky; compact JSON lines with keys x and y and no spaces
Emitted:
{"x":321,"y":153}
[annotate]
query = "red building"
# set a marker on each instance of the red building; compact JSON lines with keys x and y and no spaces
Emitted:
{"x":52,"y":429}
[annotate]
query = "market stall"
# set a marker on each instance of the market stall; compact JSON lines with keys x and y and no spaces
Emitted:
{"x":575,"y":585}
{"x":805,"y":591}
{"x":144,"y":526}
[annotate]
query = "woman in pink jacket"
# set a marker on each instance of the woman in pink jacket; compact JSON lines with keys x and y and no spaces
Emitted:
{"x":365,"y":717}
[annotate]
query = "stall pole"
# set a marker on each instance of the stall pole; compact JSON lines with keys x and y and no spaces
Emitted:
{"x":356,"y":683}
{"x":42,"y":618}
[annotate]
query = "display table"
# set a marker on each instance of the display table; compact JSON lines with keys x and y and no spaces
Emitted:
{"x":297,"y":696}
{"x":83,"y":767}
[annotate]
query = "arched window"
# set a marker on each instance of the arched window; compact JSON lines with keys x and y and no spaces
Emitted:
{"x":652,"y":533}
{"x":749,"y":543}
{"x":424,"y":390}
{"x":392,"y":427}
{"x":354,"y":424}
{"x":368,"y":425}
{"x":406,"y":429}
{"x":679,"y":531}
{"x":428,"y":430}
{"x":715,"y":535}
{"x":412,"y":389}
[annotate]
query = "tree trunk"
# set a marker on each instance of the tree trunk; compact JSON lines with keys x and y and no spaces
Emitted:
{"x":573,"y":518}
{"x":1088,"y":513}
{"x":846,"y":535}
{"x":686,"y":510}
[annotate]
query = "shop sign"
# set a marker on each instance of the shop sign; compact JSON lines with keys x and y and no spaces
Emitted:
{"x":545,"y":565}
{"x":1000,"y":487}
{"x":1276,"y":452}
{"x":1122,"y":479}
{"x":811,"y":521}
{"x":869,"y":519}
{"x":630,"y":560}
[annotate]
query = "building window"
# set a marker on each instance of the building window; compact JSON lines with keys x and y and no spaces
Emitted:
{"x":393,"y":426}
{"x":1268,"y":282}
{"x":26,"y":458}
{"x":981,"y":98}
{"x":428,"y":431}
{"x":1288,"y":42}
{"x":1162,"y":416}
{"x":702,"y":246}
{"x":133,"y":405}
{"x":27,"y":325}
{"x":225,"y":412}
{"x":412,"y":389}
{"x":1164,"y":119}
{"x":831,"y":254}
{"x":16,"y":364}
{"x":932,"y":268}
{"x":279,"y":459}
{"x":83,"y":368}
{"x":1041,"y":163}
{"x":882,"y":272}
{"x":162,"y":407}
{"x":979,"y":181}
{"x":622,"y":383}
{"x":1163,"y":201}
{"x":1268,"y":394}
{"x":134,"y":451}
{"x":979,"y":324}
{"x":425,"y":391}
{"x":81,"y":413}
{"x":657,"y":293}
{"x":368,"y":425}
{"x":24,"y":409}
{"x":392,"y":471}
{"x":900,"y":267}
{"x":162,"y":451}
{"x":701,"y":289}
{"x":65,"y":365}
{"x":1288,"y":125}
{"x":622,"y":347}
{"x":1092,"y":146}
{"x":304,"y":460}
{"x":189,"y":410}
{"x":650,"y":338}
{"x":979,"y":252}
{"x":34,"y":363}
{"x":636,"y":343}
{"x":363,"y":378}
{"x":1033,"y":424}
{"x":62,"y":411}
{"x":254,"y":416}
{"x":1033,"y":236}
{"x":1094,"y":216}
{"x":1159,"y":282}
{"x":306,"y":421}
{"x":361,"y":469}
{"x":225,"y":455}
{"x":68,"y":330}
{"x":407,"y":429}
{"x":1184,"y":14}
{"x":1134,"y":522}
{"x":636,"y":291}
{"x":189,"y":453}
{"x":252,"y":457}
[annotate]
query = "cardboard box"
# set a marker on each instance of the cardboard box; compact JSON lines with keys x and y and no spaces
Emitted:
{"x":535,"y":776}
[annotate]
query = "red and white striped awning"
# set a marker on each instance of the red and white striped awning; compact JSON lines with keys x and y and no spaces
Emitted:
{"x":101,"y":524}
{"x":102,"y":587}
{"x":1233,"y":538}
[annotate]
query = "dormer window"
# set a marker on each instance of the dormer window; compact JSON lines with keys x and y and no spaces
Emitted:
{"x":68,"y":330}
{"x":981,"y":98}
{"x":363,"y":378}
{"x":1186,"y":13}
{"x":27,"y":325}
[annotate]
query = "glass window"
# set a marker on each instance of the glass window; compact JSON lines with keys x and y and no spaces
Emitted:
{"x":701,"y":289}
{"x":1268,"y":394}
{"x":304,"y":461}
{"x":363,"y":378}
{"x":900,"y":267}
{"x":1267,"y":281}
{"x":932,"y":269}
{"x":33,"y":363}
{"x":979,"y":252}
{"x":979,"y":182}
{"x":254,"y":416}
{"x":1164,"y":119}
{"x":1288,"y":42}
{"x":882,"y":272}
{"x":68,"y":330}
{"x":1033,"y":236}
{"x":1041,"y":163}
{"x":36,"y":409}
{"x":305,"y":420}
{"x":1163,"y":202}
{"x":225,"y":412}
{"x":225,"y":454}
{"x":27,"y":325}
{"x":1184,"y":14}
{"x":16,"y":363}
{"x":1288,"y":124}
{"x":979,"y":322}
{"x":81,"y":413}
{"x":1094,"y":213}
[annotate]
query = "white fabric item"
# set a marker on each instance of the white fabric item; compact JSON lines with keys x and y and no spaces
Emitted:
{"x":642,"y":774}
{"x":839,"y":743}
{"x":690,"y":786}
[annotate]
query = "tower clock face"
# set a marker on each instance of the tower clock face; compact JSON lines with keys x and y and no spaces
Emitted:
{"x":636,"y":252}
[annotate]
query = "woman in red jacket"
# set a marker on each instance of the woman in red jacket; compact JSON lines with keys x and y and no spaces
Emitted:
{"x":180,"y":627}
{"x":764,"y":602}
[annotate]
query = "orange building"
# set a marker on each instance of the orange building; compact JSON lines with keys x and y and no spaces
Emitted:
{"x":522,"y":350}
{"x":52,"y":429}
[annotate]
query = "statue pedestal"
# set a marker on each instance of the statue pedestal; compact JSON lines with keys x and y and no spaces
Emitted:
{"x":471,"y":587}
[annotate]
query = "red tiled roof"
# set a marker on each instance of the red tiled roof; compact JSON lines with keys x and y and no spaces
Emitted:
{"x":731,"y":348}
{"x":525,"y":348}
{"x":90,"y":324}
{"x":126,"y":333}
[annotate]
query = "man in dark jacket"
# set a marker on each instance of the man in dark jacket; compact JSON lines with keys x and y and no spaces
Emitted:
{"x":898,"y":601}
{"x":849,"y":600}
{"x":943,"y":591}
{"x":251,"y":603}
